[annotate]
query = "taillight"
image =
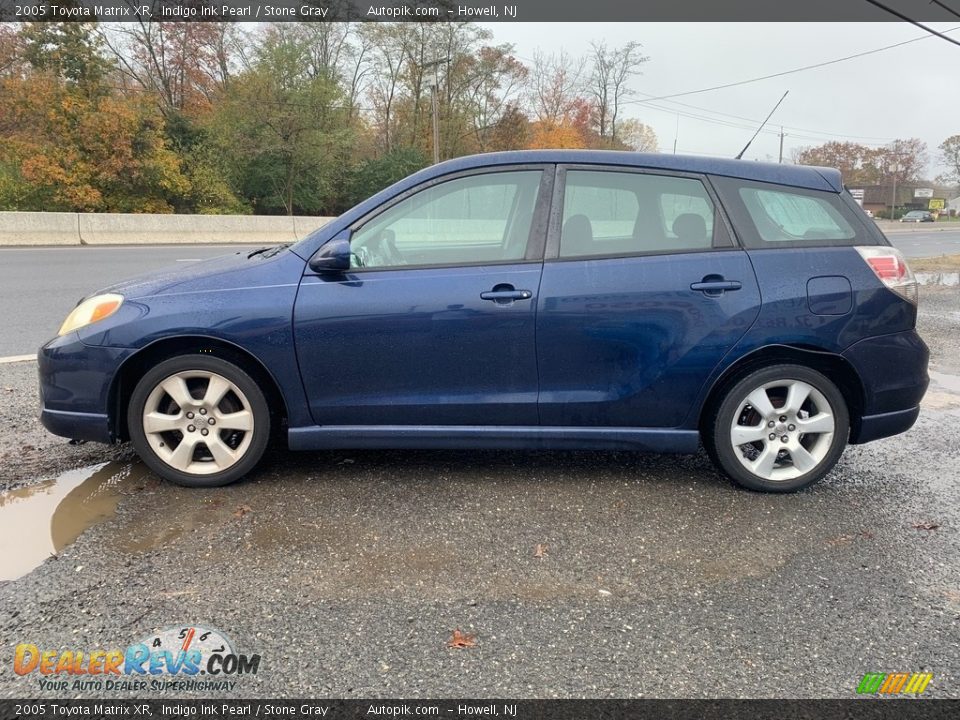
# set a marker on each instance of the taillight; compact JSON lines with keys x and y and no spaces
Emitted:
{"x":891,"y":268}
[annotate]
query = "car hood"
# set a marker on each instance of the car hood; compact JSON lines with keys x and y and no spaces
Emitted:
{"x":234,"y":270}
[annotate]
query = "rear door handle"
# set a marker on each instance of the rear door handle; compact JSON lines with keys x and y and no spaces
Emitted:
{"x":716,"y":287}
{"x":504,"y":294}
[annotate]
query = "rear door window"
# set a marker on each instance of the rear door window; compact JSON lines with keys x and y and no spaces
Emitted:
{"x":617,"y":213}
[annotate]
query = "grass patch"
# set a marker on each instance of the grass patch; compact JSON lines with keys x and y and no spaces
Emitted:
{"x":935,"y":264}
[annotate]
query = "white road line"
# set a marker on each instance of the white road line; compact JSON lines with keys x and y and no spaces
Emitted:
{"x":16,"y":359}
{"x":189,"y":259}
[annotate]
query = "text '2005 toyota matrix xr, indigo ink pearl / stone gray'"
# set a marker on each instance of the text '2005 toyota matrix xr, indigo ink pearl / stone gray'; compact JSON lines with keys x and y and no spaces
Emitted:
{"x":542,"y":299}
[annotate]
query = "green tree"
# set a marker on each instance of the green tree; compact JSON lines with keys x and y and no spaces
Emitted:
{"x":375,"y":174}
{"x":289,"y":134}
{"x":69,"y":51}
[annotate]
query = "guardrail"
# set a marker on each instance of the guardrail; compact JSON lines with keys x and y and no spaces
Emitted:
{"x":53,"y":228}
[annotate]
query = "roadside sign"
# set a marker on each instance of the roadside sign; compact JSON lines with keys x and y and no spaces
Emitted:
{"x":936,"y":204}
{"x":923,"y":193}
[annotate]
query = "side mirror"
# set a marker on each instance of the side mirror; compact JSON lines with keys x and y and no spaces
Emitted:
{"x":334,"y":256}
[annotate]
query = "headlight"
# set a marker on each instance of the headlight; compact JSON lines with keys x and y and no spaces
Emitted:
{"x":90,"y":311}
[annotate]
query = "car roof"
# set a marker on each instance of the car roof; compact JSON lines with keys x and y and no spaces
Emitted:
{"x":802,"y":176}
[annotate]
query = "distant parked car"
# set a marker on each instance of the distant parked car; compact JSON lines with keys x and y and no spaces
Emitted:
{"x":527,"y":300}
{"x":918,"y":216}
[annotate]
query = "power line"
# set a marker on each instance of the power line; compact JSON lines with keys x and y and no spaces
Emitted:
{"x":796,"y":70}
{"x":788,"y":127}
{"x":945,"y":7}
{"x":910,"y":20}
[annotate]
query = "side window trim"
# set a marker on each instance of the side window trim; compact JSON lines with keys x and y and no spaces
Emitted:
{"x":724,"y":237}
{"x":536,"y":239}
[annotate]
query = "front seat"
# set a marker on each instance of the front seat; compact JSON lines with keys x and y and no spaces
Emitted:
{"x":691,"y":230}
{"x":576,"y":237}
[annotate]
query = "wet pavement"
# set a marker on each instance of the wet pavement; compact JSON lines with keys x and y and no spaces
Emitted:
{"x":580,"y":574}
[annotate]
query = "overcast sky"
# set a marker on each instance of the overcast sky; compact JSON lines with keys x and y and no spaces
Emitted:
{"x":908,"y":91}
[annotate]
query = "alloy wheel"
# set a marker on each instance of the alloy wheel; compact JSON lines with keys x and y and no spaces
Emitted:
{"x":782,"y":429}
{"x":198,"y":422}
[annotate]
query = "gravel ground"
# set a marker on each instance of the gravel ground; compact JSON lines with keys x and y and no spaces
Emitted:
{"x":348,"y":572}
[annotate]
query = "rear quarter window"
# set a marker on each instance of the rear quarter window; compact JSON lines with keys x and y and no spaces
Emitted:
{"x":767,"y":215}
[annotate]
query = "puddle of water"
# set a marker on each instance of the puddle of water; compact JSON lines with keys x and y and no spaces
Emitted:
{"x":948,"y":279}
{"x":950,"y":383}
{"x":41,"y":519}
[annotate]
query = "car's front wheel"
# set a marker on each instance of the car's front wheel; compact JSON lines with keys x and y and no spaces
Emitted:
{"x":779,"y":429}
{"x":198,"y":421}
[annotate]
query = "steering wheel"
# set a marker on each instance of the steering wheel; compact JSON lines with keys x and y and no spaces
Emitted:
{"x":384,"y":250}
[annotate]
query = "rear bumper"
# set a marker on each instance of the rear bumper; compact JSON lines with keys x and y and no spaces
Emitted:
{"x":893,"y":371}
{"x":874,"y":427}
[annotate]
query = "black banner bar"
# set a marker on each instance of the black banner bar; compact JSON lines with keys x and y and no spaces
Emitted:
{"x":866,"y":708}
{"x":470,"y":10}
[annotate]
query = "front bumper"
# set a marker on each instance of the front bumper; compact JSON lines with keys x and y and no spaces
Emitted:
{"x":75,"y":388}
{"x":893,"y":371}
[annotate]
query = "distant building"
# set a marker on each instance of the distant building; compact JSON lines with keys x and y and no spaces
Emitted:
{"x":910,"y":196}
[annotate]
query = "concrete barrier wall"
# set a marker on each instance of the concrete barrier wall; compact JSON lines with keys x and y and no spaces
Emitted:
{"x":39,"y":228}
{"x":42,"y":228}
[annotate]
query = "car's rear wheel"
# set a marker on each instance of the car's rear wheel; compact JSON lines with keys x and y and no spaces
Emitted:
{"x":199,"y":421}
{"x":779,"y":429}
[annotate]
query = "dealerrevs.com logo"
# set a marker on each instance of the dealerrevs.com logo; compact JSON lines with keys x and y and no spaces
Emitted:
{"x":894,"y":683}
{"x":176,"y":658}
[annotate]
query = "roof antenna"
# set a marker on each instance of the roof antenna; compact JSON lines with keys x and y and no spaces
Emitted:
{"x":740,"y":156}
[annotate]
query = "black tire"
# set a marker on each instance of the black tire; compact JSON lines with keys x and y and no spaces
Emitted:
{"x":719,"y":433}
{"x":253,"y":448}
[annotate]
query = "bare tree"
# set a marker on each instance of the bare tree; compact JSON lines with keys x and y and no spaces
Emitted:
{"x":183,"y":64}
{"x":386,"y":45}
{"x":554,"y":85}
{"x":608,"y":82}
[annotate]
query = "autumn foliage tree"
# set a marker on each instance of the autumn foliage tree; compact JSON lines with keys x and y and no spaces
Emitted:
{"x":864,"y":165}
{"x":280,"y":118}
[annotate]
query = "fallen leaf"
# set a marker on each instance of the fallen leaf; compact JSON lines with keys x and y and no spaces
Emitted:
{"x":541,"y":551}
{"x":241,"y":511}
{"x":927,"y":525}
{"x":462,"y":640}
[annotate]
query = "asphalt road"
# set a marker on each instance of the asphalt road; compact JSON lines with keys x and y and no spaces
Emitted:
{"x":920,"y":243}
{"x":39,"y":286}
{"x":43,"y":284}
{"x":348,"y":572}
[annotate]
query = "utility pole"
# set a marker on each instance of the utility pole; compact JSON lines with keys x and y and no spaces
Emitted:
{"x":676,"y":134}
{"x":436,"y":124}
{"x":893,"y":195}
{"x":435,"y":105}
{"x":781,"y":144}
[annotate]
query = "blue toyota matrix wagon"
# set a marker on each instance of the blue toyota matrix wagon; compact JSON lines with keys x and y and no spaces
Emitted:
{"x":542,"y":299}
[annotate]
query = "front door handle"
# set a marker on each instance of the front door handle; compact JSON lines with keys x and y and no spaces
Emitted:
{"x":715,"y":285}
{"x":505,"y":294}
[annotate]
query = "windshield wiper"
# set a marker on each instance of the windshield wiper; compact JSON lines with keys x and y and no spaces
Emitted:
{"x":271,"y":249}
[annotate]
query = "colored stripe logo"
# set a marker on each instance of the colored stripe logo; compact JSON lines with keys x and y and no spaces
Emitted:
{"x":894,"y":683}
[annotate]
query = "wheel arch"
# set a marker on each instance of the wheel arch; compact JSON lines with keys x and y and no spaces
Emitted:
{"x":134,"y":367}
{"x":835,"y":367}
